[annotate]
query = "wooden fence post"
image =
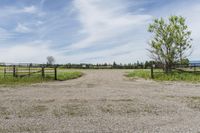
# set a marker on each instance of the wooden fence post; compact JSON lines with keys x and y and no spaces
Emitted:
{"x":194,"y":68}
{"x":55,"y":72}
{"x":4,"y":71}
{"x":14,"y":71}
{"x":152,"y":75}
{"x":29,"y":70}
{"x":43,"y":75}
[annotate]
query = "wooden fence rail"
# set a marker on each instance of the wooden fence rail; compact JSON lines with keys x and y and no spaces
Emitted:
{"x":28,"y":71}
{"x":180,"y":69}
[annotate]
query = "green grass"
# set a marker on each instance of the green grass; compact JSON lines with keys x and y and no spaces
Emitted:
{"x":160,"y":76}
{"x":69,"y":75}
{"x":139,"y":74}
{"x":36,"y":78}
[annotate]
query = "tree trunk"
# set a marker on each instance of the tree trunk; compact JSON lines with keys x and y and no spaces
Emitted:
{"x":168,"y":68}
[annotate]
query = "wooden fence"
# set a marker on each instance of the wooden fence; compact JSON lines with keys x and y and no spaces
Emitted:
{"x":20,"y":71}
{"x":193,"y":69}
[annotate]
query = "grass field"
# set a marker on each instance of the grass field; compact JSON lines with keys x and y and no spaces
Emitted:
{"x":37,"y":78}
{"x":160,"y":76}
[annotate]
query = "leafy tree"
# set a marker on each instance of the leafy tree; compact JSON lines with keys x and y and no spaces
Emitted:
{"x":171,"y":41}
{"x":185,"y":62}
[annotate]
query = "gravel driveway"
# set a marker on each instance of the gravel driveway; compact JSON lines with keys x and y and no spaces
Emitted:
{"x":101,"y":101}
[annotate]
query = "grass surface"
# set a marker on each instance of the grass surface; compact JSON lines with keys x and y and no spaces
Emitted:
{"x":69,"y":75}
{"x":36,"y":78}
{"x":160,"y":76}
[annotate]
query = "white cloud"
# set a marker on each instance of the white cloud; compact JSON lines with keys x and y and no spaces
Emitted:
{"x":22,"y":28}
{"x":102,"y":22}
{"x":30,"y":52}
{"x":37,"y":51}
{"x":29,"y":9}
{"x":193,"y":19}
{"x":12,"y":10}
{"x":5,"y":35}
{"x":125,"y":53}
{"x":39,"y":23}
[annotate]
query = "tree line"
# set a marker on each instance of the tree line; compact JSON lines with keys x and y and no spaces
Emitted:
{"x":114,"y":65}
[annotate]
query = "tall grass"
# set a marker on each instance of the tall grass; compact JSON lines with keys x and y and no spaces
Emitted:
{"x":160,"y":76}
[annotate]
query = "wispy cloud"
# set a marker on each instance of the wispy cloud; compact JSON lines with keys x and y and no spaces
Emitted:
{"x":29,"y":9}
{"x":12,"y":10}
{"x":22,"y":28}
{"x":102,"y":23}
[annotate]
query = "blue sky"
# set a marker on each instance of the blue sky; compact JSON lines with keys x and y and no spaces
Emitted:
{"x":86,"y":31}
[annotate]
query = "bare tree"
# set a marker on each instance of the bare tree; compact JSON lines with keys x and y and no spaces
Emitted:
{"x":50,"y":60}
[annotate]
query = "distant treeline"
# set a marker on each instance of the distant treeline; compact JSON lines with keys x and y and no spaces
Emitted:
{"x":114,"y":65}
{"x":137,"y":65}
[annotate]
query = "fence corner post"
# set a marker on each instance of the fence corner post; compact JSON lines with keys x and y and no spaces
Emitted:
{"x":4,"y":71}
{"x":55,"y":72}
{"x":14,"y":71}
{"x":29,"y":70}
{"x":152,"y":75}
{"x":195,"y":68}
{"x":43,"y":76}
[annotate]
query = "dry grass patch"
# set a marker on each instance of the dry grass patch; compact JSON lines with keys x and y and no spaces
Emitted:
{"x":71,"y":110}
{"x":127,"y":108}
{"x":45,"y":101}
{"x":123,"y":100}
{"x":24,"y":128}
{"x":4,"y":112}
{"x":193,"y":102}
{"x":32,"y":111}
{"x":133,"y":107}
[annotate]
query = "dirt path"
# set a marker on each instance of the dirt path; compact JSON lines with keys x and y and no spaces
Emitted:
{"x":101,"y":101}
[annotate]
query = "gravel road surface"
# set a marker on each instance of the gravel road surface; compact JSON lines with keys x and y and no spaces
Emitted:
{"x":101,"y":101}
